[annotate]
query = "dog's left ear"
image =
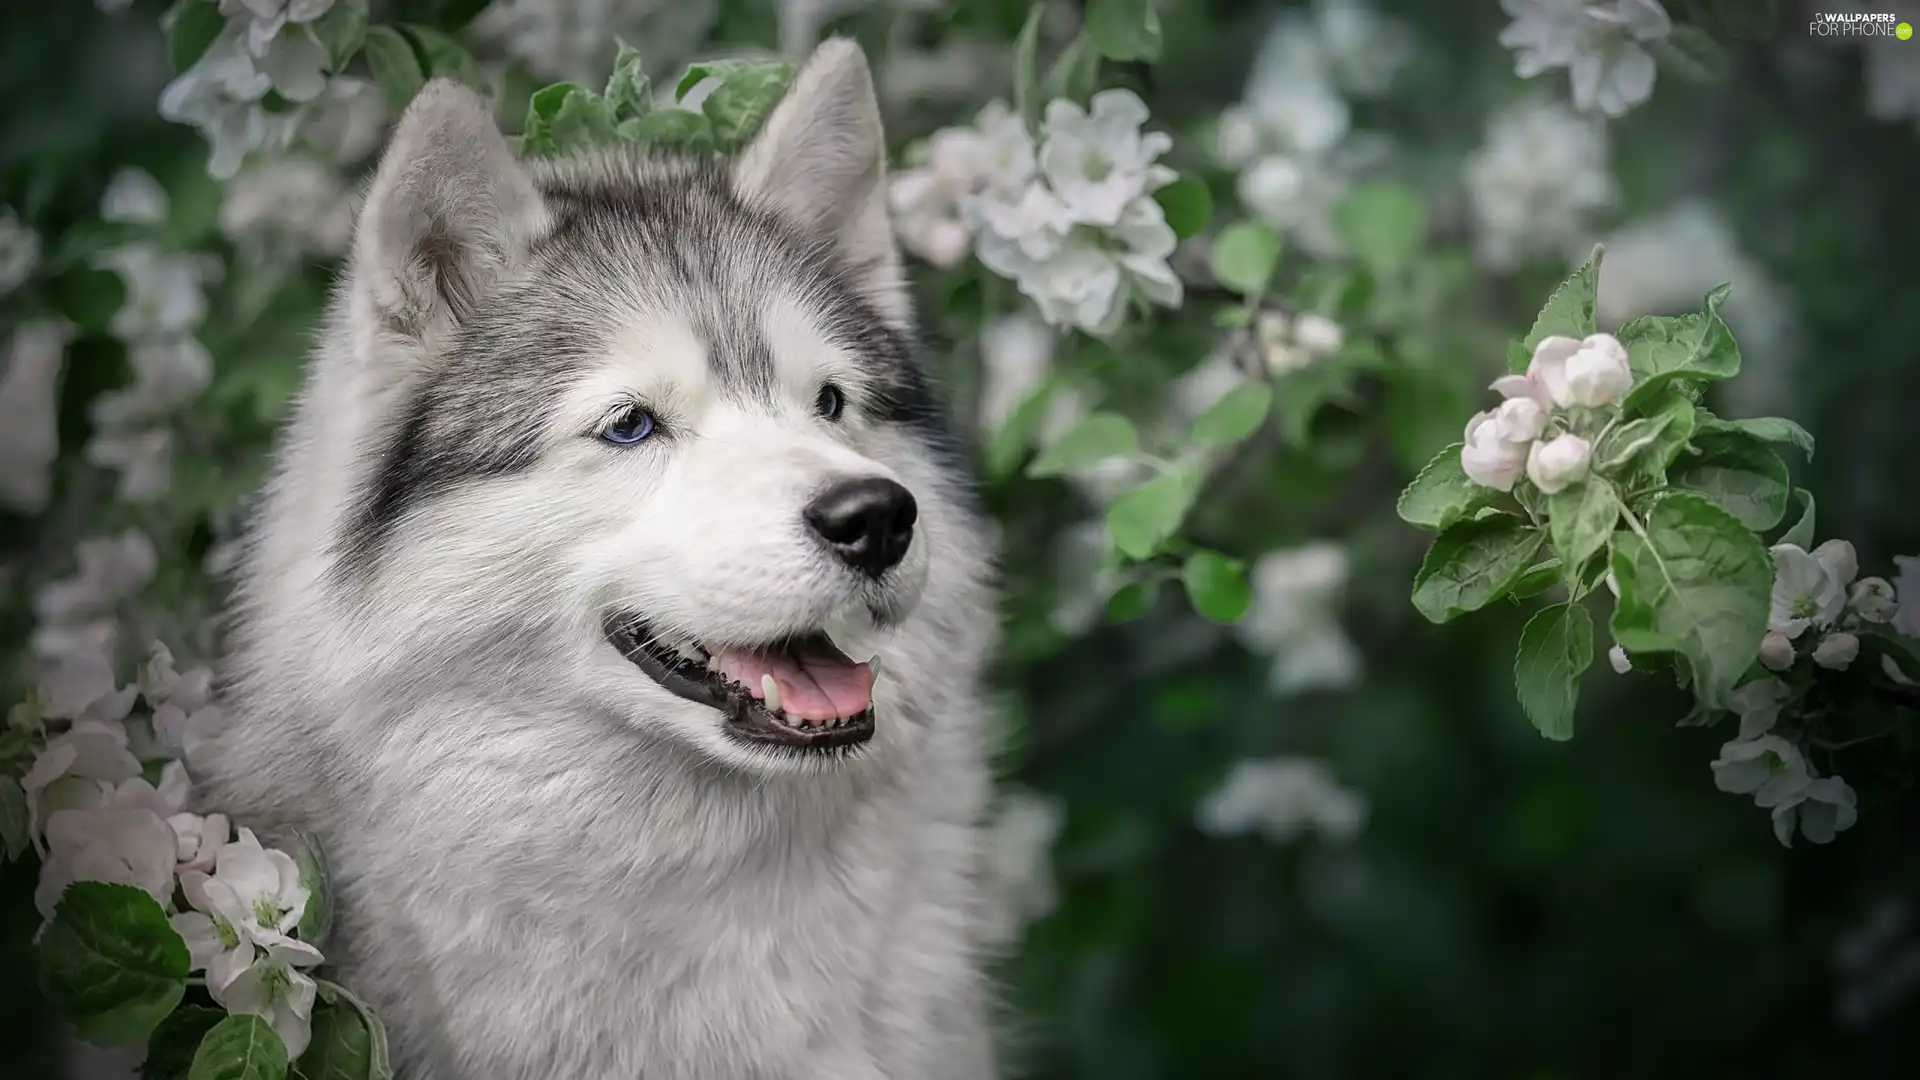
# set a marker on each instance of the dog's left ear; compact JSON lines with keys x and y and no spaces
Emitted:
{"x":821,"y":162}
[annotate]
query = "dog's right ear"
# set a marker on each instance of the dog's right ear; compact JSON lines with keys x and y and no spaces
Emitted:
{"x":449,"y":213}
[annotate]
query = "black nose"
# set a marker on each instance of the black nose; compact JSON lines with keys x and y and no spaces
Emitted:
{"x":868,"y":523}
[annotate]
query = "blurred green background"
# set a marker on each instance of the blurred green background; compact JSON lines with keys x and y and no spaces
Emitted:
{"x":1512,"y":908}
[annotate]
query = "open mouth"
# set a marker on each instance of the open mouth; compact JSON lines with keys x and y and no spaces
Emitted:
{"x":799,"y":694}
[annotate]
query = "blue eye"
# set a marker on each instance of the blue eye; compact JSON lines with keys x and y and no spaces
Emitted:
{"x":830,"y":402}
{"x":629,"y":427}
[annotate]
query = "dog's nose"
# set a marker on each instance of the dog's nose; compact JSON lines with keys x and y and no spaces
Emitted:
{"x":868,"y":522}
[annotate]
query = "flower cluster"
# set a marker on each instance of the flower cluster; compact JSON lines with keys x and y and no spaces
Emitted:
{"x":1537,"y":182}
{"x":286,"y":208}
{"x":1281,"y":798}
{"x":1293,"y":617}
{"x":1526,"y":434}
{"x":1602,"y":44}
{"x":1290,"y":137}
{"x":1070,"y":217}
{"x":267,"y":46}
{"x":95,"y":816}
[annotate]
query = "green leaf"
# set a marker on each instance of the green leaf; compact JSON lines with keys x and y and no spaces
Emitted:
{"x":671,"y":127}
{"x":342,"y":1047}
{"x":1473,"y":564}
{"x":1008,"y":446}
{"x":628,"y":87}
{"x":1801,"y":534}
{"x":1772,"y":429}
{"x":394,"y":65}
{"x":746,"y":96}
{"x":1442,"y":494}
{"x":1569,"y":311}
{"x":1026,"y":63}
{"x":1581,"y":518}
{"x":171,"y":1048}
{"x":1235,"y":416}
{"x":341,"y":31}
{"x":1622,"y":444}
{"x":1697,"y":585}
{"x":1075,"y":74}
{"x":1688,"y":51}
{"x":241,"y":1047}
{"x":1146,"y":517}
{"x":1662,"y":349}
{"x":1556,"y":648}
{"x":1738,"y":473}
{"x":1385,"y":224}
{"x":1217,"y":585}
{"x":1125,"y":29}
{"x":87,"y":297}
{"x":1519,"y":357}
{"x":1648,"y":465}
{"x":1538,"y":579}
{"x":316,"y":922}
{"x":110,"y":965}
{"x":1187,"y":203}
{"x":379,"y":1057}
{"x":1244,"y":256}
{"x":1132,"y":600}
{"x":1094,"y":439}
{"x":13,"y":817}
{"x":441,"y":57}
{"x":191,"y":30}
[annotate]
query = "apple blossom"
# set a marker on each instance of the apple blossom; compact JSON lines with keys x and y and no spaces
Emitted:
{"x":1617,"y":656}
{"x":198,"y":839}
{"x":1520,"y":420}
{"x":1603,"y":44}
{"x":1836,"y":651}
{"x":117,"y":844}
{"x":1776,"y":651}
{"x":1556,"y":465}
{"x":1804,"y":593}
{"x":1599,"y":373}
{"x":1873,"y":599}
{"x":276,"y":990}
{"x":1821,"y":808}
{"x":1767,"y":767}
{"x":1280,"y":798}
{"x":1489,"y":459}
{"x":1838,"y":559}
{"x":78,"y":768}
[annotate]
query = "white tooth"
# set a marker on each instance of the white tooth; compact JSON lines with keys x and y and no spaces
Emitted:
{"x":772,"y":690}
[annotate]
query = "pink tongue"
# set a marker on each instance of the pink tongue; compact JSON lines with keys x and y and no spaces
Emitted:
{"x":813,"y":685}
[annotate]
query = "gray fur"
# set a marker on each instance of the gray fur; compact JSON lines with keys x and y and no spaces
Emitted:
{"x":546,"y":865}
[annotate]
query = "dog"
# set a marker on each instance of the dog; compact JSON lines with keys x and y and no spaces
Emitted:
{"x":615,"y":614}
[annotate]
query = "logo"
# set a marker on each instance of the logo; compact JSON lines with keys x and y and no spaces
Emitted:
{"x":1859,"y":24}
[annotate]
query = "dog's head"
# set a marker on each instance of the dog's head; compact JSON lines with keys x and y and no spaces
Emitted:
{"x":662,"y":415}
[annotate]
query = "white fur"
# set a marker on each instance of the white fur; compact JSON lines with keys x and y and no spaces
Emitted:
{"x":546,"y":865}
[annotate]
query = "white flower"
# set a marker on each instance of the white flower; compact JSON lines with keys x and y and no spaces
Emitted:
{"x":1776,"y":651}
{"x":573,"y":39}
{"x":287,"y":208}
{"x":1540,"y":176}
{"x":1872,"y":598}
{"x":1489,"y":459}
{"x":1557,"y":464}
{"x":29,"y":399}
{"x":933,"y":208}
{"x":1520,"y":420}
{"x":1907,"y":619}
{"x":220,"y":94}
{"x":166,"y":290}
{"x":1758,"y":704}
{"x":1289,"y":345}
{"x":1019,"y":863}
{"x":1282,"y":798}
{"x":19,"y":251}
{"x":77,"y":769}
{"x":1838,"y":559}
{"x":1289,"y":100}
{"x":1822,"y":808}
{"x":198,"y":839}
{"x":118,"y":845}
{"x":134,"y":197}
{"x":1598,"y":41}
{"x":1100,"y":162}
{"x":1593,"y":371}
{"x":143,"y":459}
{"x":281,"y":43}
{"x":168,"y":372}
{"x":1617,"y":656}
{"x":112,"y":568}
{"x":1362,"y":49}
{"x":1767,"y":767}
{"x":274,"y":989}
{"x":1804,"y":592}
{"x":346,"y":122}
{"x":81,"y":686}
{"x":1836,"y":651}
{"x":1293,"y":616}
{"x":1087,"y":278}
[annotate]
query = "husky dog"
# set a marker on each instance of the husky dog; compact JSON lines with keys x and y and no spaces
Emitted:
{"x":615,"y":615}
